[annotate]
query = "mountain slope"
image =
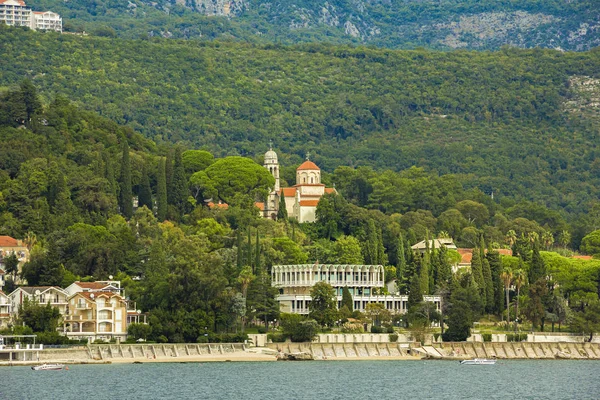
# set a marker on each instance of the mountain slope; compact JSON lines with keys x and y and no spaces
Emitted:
{"x":441,"y":24}
{"x":514,"y":122}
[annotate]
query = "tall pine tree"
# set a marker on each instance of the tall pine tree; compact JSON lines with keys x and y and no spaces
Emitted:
{"x":161,"y":191}
{"x":179,"y":184}
{"x":145,"y":194}
{"x":126,"y":194}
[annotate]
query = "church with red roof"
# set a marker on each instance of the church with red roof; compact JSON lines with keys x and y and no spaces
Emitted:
{"x":301,"y":199}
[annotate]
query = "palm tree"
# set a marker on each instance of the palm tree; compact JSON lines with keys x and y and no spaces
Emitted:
{"x":533,"y":237}
{"x":511,"y":238}
{"x":519,"y":279}
{"x":547,"y":239}
{"x":506,"y":275}
{"x":244,"y":279}
{"x":565,"y":238}
{"x":30,"y":240}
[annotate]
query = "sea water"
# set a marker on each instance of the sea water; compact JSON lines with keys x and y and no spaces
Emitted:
{"x":510,"y":379}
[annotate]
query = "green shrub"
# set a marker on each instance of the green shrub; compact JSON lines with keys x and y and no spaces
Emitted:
{"x":389,"y":329}
{"x":277,"y":337}
{"x":393,"y":337}
{"x":262,"y":329}
{"x":436,"y":336}
{"x":376,"y":329}
{"x":487,"y":337}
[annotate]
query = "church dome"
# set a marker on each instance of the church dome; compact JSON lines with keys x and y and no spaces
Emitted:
{"x":270,"y":157}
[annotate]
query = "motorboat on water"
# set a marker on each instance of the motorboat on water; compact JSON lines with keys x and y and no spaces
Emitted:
{"x":479,"y":361}
{"x":48,"y":367}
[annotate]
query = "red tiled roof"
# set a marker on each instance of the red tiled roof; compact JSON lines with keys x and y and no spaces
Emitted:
{"x":7,"y":241}
{"x":308,"y":165}
{"x":583,"y":257}
{"x":309,"y":203}
{"x":288,"y":192}
{"x":91,"y":285}
{"x":219,"y":205}
{"x":330,"y":190}
{"x":2,"y":272}
{"x":260,"y":205}
{"x":505,"y":252}
{"x":1,"y":292}
{"x":466,"y":254}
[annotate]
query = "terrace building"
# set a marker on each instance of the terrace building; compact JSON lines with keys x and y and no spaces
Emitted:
{"x":365,"y":283}
{"x":96,"y":315}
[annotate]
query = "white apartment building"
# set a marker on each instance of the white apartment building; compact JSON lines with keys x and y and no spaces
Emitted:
{"x":363,"y":281}
{"x":16,"y":13}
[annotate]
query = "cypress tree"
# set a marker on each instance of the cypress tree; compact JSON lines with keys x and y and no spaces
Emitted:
{"x":109,"y":173}
{"x":169,"y":177}
{"x":493,"y":258}
{"x":477,"y":272}
{"x":249,"y":251}
{"x":425,"y":264}
{"x":145,"y":194}
{"x":415,"y":296}
{"x":489,"y":286}
{"x":161,"y":191}
{"x":381,"y":258}
{"x":126,"y":195}
{"x":538,"y":267}
{"x":282,"y":214}
{"x":401,"y":265}
{"x":179,"y":183}
{"x":240,"y":252}
{"x":347,"y":299}
{"x":257,"y":251}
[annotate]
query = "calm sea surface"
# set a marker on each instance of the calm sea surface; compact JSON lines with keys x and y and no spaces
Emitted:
{"x":309,"y":380}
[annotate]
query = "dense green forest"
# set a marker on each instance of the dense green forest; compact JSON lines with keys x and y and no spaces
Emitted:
{"x":513,"y":124}
{"x":439,"y":24}
{"x":69,"y":178}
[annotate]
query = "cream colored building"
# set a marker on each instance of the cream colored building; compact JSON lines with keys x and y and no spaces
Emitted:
{"x":46,"y":20}
{"x":4,"y":310}
{"x":301,"y":200}
{"x":16,"y":13}
{"x":42,"y":295}
{"x":363,"y":281}
{"x":10,"y":246}
{"x":96,"y":315}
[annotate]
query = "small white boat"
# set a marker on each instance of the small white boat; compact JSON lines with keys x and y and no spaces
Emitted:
{"x":48,"y":367}
{"x":479,"y":361}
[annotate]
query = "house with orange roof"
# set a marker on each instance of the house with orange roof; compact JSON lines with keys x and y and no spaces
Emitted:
{"x":96,"y":315}
{"x":301,"y":200}
{"x":10,"y":246}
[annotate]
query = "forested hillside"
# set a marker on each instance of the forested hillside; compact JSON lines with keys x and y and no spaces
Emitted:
{"x":518,"y":124}
{"x":91,"y":199}
{"x":440,"y":24}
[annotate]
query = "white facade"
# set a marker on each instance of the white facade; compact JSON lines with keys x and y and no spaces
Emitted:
{"x":4,"y":310}
{"x":363,"y":281}
{"x":42,"y":295}
{"x":16,"y":13}
{"x":47,"y":20}
{"x":96,"y":315}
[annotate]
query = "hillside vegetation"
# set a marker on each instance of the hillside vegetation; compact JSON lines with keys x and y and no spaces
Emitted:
{"x":68,"y":180}
{"x":513,"y":123}
{"x":440,"y":24}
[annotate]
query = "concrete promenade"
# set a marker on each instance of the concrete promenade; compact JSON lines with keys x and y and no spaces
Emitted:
{"x":195,"y":352}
